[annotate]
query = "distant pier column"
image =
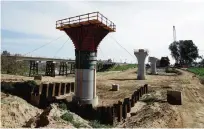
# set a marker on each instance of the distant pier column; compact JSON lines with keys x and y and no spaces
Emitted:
{"x":141,"y":55}
{"x":63,"y":68}
{"x":72,"y":68}
{"x":50,"y":69}
{"x":33,"y":68}
{"x":153,"y":62}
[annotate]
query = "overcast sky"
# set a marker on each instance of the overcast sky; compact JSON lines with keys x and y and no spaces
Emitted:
{"x":28,"y":25}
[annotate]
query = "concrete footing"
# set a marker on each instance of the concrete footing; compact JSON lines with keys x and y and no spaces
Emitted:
{"x":115,"y":87}
{"x":82,"y":101}
{"x":174,"y":97}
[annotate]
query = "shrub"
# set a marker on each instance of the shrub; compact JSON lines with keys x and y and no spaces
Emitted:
{"x":63,"y":106}
{"x":67,"y":117}
{"x":77,"y":124}
{"x":150,"y":100}
{"x":172,"y":70}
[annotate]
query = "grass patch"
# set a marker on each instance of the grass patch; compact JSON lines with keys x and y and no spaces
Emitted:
{"x":77,"y":124}
{"x":122,"y":67}
{"x":69,"y":117}
{"x":63,"y":106}
{"x":199,"y":72}
{"x":97,"y":124}
{"x":151,"y":99}
{"x":172,"y":70}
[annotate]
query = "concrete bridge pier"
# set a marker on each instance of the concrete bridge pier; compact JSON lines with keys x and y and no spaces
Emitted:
{"x":141,"y":55}
{"x":153,"y":62}
{"x":50,"y":69}
{"x":33,"y":68}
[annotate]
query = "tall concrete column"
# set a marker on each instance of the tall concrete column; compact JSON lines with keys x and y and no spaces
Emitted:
{"x":86,"y":36}
{"x":153,"y":62}
{"x":141,"y":55}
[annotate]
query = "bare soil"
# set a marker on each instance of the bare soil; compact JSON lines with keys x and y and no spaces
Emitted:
{"x":158,"y":113}
{"x":155,"y":113}
{"x":16,"y":111}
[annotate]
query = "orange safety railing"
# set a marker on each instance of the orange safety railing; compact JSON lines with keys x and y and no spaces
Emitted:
{"x":86,"y":17}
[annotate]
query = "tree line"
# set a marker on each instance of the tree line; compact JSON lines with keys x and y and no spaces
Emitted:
{"x":185,"y":52}
{"x":11,"y":66}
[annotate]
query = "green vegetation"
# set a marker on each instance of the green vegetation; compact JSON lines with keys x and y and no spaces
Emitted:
{"x":172,"y":70}
{"x":69,"y":117}
{"x":184,"y":51}
{"x":97,"y":124}
{"x":63,"y":106}
{"x":77,"y":124}
{"x":122,"y":67}
{"x":149,"y":101}
{"x":199,"y":72}
{"x":11,"y":66}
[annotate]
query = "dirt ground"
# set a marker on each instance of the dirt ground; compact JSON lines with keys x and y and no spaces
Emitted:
{"x":17,"y":78}
{"x":159,"y":113}
{"x":156,"y":113}
{"x":16,"y":111}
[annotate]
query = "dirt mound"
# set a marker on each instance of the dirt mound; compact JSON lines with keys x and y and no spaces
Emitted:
{"x":153,"y":111}
{"x":16,"y":111}
{"x":51,"y":118}
{"x":154,"y":115}
{"x":56,"y":120}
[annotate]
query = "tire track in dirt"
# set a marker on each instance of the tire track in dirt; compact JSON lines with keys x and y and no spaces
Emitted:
{"x":192,"y":109}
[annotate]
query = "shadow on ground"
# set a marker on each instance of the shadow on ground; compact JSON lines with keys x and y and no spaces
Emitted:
{"x":123,"y":79}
